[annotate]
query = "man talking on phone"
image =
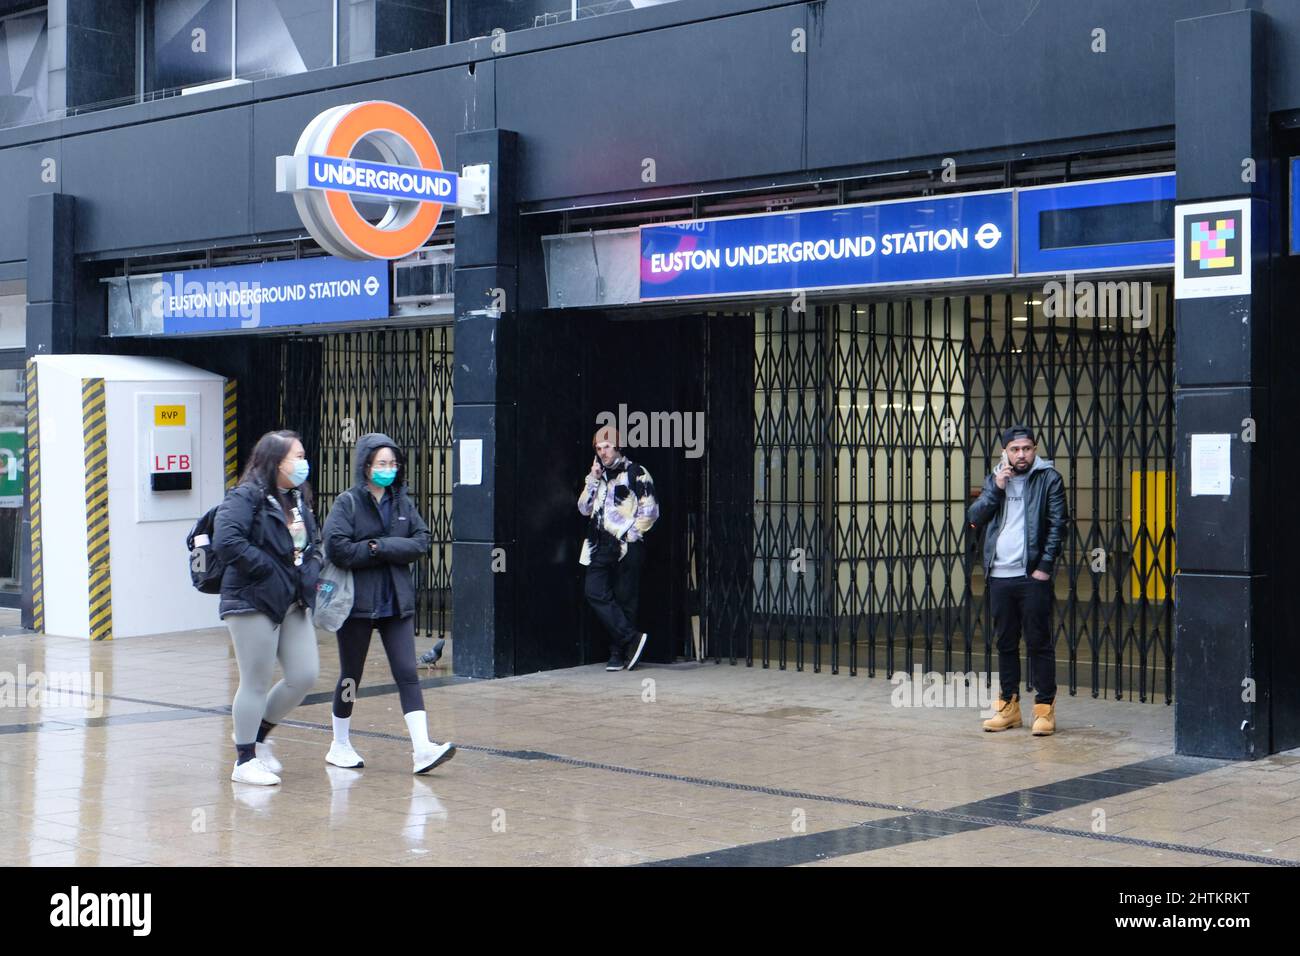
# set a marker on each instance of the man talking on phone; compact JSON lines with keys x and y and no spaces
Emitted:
{"x":618,"y":498}
{"x":1023,"y":505}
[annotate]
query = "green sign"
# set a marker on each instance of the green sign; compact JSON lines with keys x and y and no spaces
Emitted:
{"x":13,"y":465}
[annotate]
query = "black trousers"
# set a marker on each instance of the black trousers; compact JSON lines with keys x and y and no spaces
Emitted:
{"x":398,"y":635}
{"x":1024,"y":604}
{"x":612,"y":587}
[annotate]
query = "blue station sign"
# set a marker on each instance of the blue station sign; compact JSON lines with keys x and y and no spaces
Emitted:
{"x":935,"y":239}
{"x":270,"y":294}
{"x":383,"y":181}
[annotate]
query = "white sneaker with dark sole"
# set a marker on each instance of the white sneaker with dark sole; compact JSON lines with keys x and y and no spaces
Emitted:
{"x":425,"y":760}
{"x":254,"y":772}
{"x":636,"y":655}
{"x":342,"y":755}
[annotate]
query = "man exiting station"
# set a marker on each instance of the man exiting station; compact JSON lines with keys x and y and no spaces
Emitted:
{"x":618,"y":499}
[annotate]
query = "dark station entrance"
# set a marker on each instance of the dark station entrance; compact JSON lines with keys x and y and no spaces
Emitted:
{"x":823,"y":527}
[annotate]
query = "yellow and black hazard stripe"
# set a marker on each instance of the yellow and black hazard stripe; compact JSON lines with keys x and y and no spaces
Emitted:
{"x":94,"y":424}
{"x":232,"y":434}
{"x":34,"y":499}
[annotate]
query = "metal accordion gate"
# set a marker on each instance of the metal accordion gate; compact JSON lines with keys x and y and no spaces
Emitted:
{"x":875,"y":423}
{"x":335,"y":388}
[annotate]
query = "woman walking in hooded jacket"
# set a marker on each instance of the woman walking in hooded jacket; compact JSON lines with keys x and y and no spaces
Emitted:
{"x":266,"y":534}
{"x":375,"y":530}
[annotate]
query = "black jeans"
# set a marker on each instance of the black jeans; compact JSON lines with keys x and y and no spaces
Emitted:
{"x":1017,"y":603}
{"x":398,"y":635}
{"x":612,"y":587}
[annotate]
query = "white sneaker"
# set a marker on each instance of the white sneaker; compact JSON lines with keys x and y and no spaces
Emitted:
{"x":254,"y":772}
{"x":263,"y":751}
{"x":342,"y":755}
{"x":425,"y":760}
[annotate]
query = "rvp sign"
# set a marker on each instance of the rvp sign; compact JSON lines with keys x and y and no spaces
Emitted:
{"x":164,"y":415}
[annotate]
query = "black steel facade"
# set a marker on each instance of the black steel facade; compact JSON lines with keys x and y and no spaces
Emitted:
{"x":737,"y":105}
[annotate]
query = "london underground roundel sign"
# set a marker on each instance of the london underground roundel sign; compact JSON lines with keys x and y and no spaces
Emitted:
{"x":325,"y":181}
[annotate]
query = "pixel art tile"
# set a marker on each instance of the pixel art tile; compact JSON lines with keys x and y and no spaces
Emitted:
{"x":1209,"y":245}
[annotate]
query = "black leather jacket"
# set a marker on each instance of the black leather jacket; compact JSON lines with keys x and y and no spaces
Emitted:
{"x":1047,"y":516}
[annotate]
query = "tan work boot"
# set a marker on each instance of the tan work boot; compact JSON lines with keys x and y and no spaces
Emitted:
{"x":1008,"y":715}
{"x":1044,"y":719}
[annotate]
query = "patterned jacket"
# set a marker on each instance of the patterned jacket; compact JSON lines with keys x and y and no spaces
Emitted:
{"x":621,"y":503}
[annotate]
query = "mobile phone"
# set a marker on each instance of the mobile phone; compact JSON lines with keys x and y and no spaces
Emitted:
{"x":1003,"y":462}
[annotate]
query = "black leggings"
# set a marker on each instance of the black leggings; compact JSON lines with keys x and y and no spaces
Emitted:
{"x":398,"y":635}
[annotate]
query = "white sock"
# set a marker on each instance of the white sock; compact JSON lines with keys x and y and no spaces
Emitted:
{"x":418,"y":726}
{"x":341,"y":729}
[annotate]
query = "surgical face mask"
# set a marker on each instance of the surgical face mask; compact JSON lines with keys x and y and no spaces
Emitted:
{"x":383,"y":477}
{"x":301,"y":469}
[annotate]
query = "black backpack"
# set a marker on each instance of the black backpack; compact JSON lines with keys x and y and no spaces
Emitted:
{"x":206,"y":567}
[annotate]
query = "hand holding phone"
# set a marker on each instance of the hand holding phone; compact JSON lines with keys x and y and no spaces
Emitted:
{"x":1003,"y":471}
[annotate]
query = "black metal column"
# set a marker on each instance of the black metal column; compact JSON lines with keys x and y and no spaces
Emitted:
{"x":484,"y":414}
{"x":51,"y":289}
{"x":1222,"y":676}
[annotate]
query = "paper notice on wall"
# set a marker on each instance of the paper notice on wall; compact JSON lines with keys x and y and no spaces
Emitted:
{"x":471,"y":461}
{"x":1211,"y":465}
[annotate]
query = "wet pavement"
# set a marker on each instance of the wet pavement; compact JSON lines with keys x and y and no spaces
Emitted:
{"x":688,"y":764}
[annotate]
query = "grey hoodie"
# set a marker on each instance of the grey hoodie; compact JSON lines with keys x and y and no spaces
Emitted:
{"x":1009,"y":558}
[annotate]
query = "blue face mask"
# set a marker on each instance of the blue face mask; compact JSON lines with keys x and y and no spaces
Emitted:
{"x":383,"y":477}
{"x":301,"y":469}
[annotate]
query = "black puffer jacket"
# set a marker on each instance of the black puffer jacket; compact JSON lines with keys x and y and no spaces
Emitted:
{"x":250,"y":535}
{"x":1047,"y":518}
{"x":353,"y":524}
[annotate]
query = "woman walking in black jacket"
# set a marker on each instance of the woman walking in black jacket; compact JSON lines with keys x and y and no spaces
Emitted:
{"x":266,"y":534}
{"x":374,"y":529}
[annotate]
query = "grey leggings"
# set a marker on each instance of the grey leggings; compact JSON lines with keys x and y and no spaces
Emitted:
{"x":258,"y":643}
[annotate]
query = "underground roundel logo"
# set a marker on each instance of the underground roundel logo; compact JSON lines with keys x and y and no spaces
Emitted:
{"x":326,"y":181}
{"x":988,"y":235}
